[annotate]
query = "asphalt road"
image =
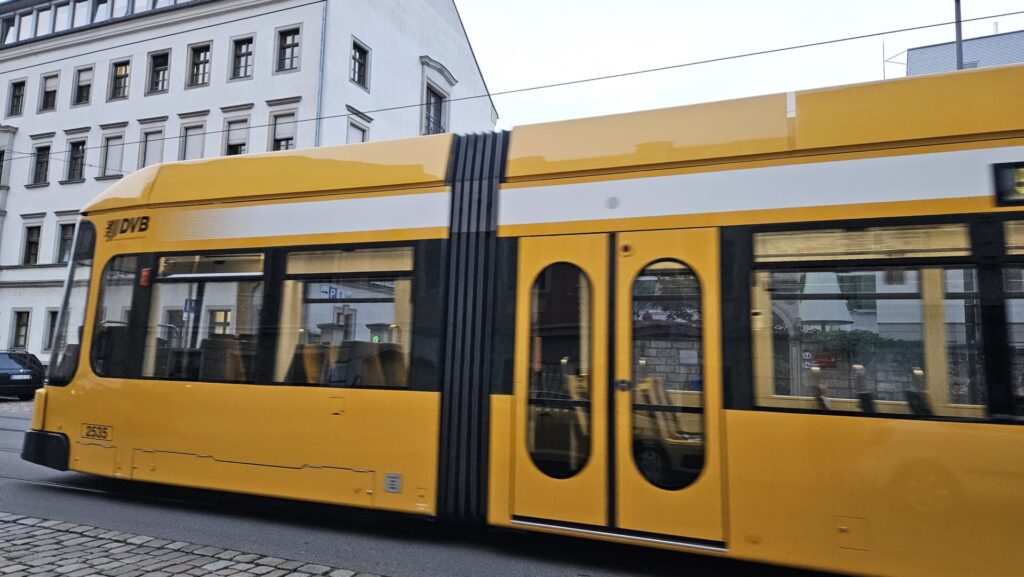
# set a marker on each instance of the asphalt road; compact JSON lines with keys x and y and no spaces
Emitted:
{"x":385,"y":544}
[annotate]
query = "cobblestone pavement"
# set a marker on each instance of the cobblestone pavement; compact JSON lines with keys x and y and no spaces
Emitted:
{"x":32,"y":547}
{"x":11,"y":405}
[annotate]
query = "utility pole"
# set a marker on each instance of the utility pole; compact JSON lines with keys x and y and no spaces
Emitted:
{"x":959,"y":39}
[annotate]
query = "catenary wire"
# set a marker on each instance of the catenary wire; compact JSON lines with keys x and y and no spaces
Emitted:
{"x":572,"y":82}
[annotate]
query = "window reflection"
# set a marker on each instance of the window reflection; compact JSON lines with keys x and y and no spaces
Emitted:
{"x":1013,"y":279}
{"x":346,"y":318}
{"x":894,"y":340}
{"x":668,"y":423}
{"x":558,"y":431}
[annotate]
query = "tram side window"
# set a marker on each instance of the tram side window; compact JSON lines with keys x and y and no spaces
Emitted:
{"x":346,"y":318}
{"x":875,"y":339}
{"x":110,"y":342}
{"x":204,"y":318}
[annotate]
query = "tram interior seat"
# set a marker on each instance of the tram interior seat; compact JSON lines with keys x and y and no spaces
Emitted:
{"x":227,"y":358}
{"x":350,"y":364}
{"x":112,"y":349}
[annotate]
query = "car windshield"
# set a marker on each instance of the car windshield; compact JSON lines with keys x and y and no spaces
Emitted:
{"x":12,"y":363}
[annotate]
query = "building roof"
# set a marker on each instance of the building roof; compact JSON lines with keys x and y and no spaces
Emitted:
{"x":992,"y":50}
{"x":17,"y":6}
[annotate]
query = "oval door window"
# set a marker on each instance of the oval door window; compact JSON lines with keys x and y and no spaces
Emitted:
{"x":668,"y":397}
{"x":558,"y":400}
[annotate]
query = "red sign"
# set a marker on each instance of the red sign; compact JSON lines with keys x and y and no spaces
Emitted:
{"x":824,"y":361}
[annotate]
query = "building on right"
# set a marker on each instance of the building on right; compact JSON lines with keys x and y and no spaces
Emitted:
{"x":980,"y":52}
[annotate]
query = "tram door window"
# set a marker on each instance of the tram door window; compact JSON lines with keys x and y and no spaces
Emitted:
{"x":668,"y":382}
{"x":877,"y":339}
{"x":558,"y":401}
{"x":111,"y":331}
{"x":204,"y":318}
{"x":346,"y":318}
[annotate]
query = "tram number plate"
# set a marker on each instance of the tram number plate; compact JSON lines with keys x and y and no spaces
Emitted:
{"x":101,"y":432}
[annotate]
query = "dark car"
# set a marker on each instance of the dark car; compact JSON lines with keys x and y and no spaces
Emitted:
{"x":20,"y":375}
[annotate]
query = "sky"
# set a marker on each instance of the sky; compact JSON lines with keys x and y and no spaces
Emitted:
{"x":525,"y":43}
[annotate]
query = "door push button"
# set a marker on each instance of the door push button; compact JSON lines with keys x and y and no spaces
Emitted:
{"x":622,"y":384}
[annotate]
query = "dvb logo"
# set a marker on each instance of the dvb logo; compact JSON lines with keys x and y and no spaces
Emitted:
{"x":121,"y":226}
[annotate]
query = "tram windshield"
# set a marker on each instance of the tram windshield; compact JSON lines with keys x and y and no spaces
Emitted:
{"x":68,"y":337}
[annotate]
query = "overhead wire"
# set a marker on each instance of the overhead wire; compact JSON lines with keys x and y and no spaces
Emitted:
{"x":568,"y":82}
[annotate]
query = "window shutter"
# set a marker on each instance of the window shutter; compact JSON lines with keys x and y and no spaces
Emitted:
{"x":85,"y":76}
{"x":114,"y":156}
{"x":154,"y":152}
{"x":284,"y":126}
{"x":50,"y":84}
{"x":193,"y":143}
{"x":238,"y":132}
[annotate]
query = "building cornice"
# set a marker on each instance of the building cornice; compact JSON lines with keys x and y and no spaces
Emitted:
{"x":8,"y":129}
{"x":237,"y":108}
{"x":33,"y":215}
{"x":42,"y":135}
{"x":114,"y":125}
{"x":72,"y":212}
{"x":284,"y":101}
{"x":152,"y":120}
{"x":77,"y":131}
{"x":359,"y":113}
{"x":440,"y":68}
{"x":195,"y":114}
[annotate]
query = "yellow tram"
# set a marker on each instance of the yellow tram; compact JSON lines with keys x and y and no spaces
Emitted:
{"x":787,"y":328}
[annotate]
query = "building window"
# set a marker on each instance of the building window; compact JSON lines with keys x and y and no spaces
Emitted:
{"x":43,"y":22}
{"x":152,"y":148}
{"x":65,"y":239}
{"x":159,"y":65}
{"x":62,"y":17}
{"x":356,"y":133}
{"x":41,"y":165}
{"x":199,"y":65}
{"x":16,"y":104}
{"x":120,"y":72}
{"x":30,"y":255}
{"x":100,"y":10}
{"x":81,"y":15}
{"x":120,"y":8}
{"x":51,"y":328}
{"x":241,"y":58}
{"x":140,"y":6}
{"x":288,"y":49}
{"x":25,"y":26}
{"x":433,"y":120}
{"x":2,"y":154}
{"x":76,"y":160}
{"x":191,"y":142}
{"x":360,"y":64}
{"x":48,"y":93}
{"x":284,"y":132}
{"x":19,"y":340}
{"x":163,"y":3}
{"x":220,"y":322}
{"x":83,"y":86}
{"x":8,"y":31}
{"x":237,"y":137}
{"x":113,"y":155}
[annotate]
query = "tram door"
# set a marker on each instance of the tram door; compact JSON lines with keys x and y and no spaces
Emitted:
{"x":639,"y":453}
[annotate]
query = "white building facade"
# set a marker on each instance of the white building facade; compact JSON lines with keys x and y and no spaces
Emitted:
{"x":91,"y":90}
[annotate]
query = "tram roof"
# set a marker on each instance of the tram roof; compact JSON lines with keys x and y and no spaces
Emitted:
{"x":892,"y":112}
